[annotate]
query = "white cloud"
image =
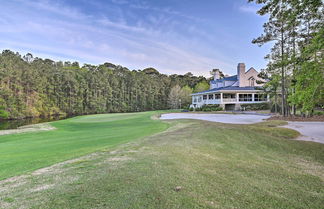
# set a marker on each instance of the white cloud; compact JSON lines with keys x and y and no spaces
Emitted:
{"x":55,"y":7}
{"x":75,"y":35}
{"x":168,"y":11}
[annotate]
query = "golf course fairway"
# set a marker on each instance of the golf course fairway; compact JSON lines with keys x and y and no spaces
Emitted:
{"x":74,"y":137}
{"x":130,"y":160}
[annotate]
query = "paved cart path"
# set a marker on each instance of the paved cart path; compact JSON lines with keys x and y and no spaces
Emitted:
{"x":310,"y":131}
{"x":221,"y":118}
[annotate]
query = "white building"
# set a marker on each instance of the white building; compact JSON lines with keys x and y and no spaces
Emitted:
{"x":232,"y":91}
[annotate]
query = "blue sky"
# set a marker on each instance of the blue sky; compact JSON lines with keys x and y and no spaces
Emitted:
{"x":173,"y":36}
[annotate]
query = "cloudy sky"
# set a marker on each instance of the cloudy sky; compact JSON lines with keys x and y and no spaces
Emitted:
{"x":173,"y":36}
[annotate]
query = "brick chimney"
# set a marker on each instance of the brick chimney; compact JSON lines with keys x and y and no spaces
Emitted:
{"x":241,"y":74}
{"x":216,"y":74}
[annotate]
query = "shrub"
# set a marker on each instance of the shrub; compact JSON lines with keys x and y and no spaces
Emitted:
{"x":319,"y":113}
{"x":257,"y":106}
{"x":3,"y":113}
{"x":210,"y":107}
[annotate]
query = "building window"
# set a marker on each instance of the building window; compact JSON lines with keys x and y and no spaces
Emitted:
{"x":251,"y":81}
{"x":217,"y":96}
{"x":211,"y":96}
{"x":245,"y":97}
{"x":229,"y":96}
{"x":260,"y":97}
{"x":199,"y":99}
{"x":204,"y":97}
{"x":195,"y":99}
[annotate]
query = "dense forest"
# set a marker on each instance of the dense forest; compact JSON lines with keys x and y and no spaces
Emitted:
{"x":295,"y":69}
{"x":33,"y":87}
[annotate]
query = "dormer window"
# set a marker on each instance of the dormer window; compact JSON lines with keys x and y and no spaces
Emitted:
{"x":251,"y":81}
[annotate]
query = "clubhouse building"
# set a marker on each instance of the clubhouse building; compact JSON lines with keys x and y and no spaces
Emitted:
{"x":232,"y":91}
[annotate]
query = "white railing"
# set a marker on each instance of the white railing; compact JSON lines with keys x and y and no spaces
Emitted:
{"x":213,"y":101}
{"x":229,"y":100}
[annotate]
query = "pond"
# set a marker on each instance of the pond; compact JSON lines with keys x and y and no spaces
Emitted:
{"x":14,"y":124}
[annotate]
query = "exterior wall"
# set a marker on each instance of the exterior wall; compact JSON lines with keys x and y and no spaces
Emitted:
{"x":251,"y":73}
{"x":244,"y":77}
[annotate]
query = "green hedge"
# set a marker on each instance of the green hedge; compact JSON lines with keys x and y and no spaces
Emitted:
{"x":256,"y":106}
{"x":208,"y":108}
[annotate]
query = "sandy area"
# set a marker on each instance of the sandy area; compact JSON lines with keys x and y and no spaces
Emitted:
{"x":310,"y":131}
{"x":222,"y":118}
{"x":28,"y":128}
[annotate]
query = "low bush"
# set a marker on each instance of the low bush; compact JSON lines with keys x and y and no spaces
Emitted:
{"x":256,"y":106}
{"x":319,"y":113}
{"x":209,"y":108}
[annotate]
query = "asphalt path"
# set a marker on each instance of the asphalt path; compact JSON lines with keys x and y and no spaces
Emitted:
{"x":310,"y":131}
{"x":221,"y":118}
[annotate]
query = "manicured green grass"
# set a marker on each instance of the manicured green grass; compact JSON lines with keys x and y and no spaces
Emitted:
{"x":214,"y":165}
{"x":20,"y":153}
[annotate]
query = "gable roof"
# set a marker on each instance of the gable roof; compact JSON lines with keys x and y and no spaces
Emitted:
{"x":251,"y":69}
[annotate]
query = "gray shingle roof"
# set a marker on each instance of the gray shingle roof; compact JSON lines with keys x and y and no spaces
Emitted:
{"x":241,"y":88}
{"x":230,"y":78}
{"x":229,"y":88}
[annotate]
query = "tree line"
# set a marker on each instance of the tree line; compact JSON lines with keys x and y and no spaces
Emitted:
{"x":34,"y":87}
{"x":295,"y":69}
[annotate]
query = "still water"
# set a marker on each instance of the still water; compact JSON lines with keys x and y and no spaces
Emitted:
{"x":13,"y":124}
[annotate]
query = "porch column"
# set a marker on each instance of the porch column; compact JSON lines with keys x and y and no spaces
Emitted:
{"x":252,"y":97}
{"x":221,"y":97}
{"x":237,"y":97}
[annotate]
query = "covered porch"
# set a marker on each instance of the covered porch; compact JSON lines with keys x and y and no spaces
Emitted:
{"x":230,"y":97}
{"x":220,"y":98}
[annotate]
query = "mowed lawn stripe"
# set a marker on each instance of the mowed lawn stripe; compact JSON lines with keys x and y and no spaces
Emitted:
{"x":20,"y":153}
